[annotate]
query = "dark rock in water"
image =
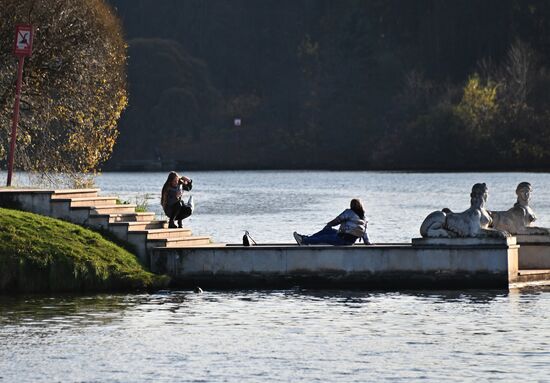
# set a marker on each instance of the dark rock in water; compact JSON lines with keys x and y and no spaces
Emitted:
{"x":197,"y":290}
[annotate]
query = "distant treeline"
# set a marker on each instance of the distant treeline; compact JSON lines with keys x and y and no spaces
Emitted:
{"x":347,"y":84}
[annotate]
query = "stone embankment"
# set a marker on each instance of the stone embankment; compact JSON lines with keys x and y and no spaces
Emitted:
{"x":86,"y":207}
{"x":194,"y":260}
{"x":419,"y":265}
{"x":40,"y":254}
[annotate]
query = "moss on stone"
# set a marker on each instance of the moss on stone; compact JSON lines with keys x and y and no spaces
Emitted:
{"x":42,"y":254}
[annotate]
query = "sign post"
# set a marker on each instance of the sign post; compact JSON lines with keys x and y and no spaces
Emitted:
{"x":22,"y":48}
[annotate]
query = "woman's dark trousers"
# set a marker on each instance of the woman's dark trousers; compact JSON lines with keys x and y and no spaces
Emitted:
{"x":179,"y":212}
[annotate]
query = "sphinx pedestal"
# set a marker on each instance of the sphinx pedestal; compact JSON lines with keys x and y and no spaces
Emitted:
{"x":534,"y":251}
{"x":491,"y":258}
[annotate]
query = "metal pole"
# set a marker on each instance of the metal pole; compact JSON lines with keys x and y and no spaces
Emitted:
{"x":15,"y":117}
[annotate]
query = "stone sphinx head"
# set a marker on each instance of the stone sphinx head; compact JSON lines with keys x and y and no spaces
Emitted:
{"x":523,"y":191}
{"x":478,"y":196}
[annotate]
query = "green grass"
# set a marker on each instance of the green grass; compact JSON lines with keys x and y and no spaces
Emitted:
{"x":141,"y":202}
{"x":42,"y":254}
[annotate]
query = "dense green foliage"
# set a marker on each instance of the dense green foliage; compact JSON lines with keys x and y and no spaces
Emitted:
{"x":74,"y":85}
{"x":41,"y":254}
{"x":357,"y":84}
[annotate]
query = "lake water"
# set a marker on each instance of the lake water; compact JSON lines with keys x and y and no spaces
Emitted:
{"x":291,"y":335}
{"x":271,"y":205}
{"x":278,"y":336}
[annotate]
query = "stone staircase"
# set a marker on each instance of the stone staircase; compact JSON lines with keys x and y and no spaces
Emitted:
{"x":86,"y":207}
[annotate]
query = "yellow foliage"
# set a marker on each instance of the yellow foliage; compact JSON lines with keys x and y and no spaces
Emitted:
{"x":478,"y":106}
{"x":74,"y":85}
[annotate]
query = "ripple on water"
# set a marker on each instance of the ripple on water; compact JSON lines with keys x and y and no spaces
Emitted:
{"x":277,"y":336}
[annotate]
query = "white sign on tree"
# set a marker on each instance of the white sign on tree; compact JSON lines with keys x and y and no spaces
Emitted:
{"x":23,"y":40}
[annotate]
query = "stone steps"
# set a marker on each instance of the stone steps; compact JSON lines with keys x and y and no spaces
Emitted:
{"x":129,"y":217}
{"x":86,"y":207}
{"x":141,"y":225}
{"x":74,"y":193}
{"x":110,"y":209}
{"x":105,"y":220}
{"x":161,"y":233}
{"x":88,"y":201}
{"x":179,"y":242}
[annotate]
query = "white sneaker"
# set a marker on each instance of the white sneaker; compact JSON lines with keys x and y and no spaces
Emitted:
{"x":298,"y":238}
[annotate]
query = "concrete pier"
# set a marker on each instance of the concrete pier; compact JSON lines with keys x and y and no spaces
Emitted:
{"x":425,"y":263}
{"x":447,"y":264}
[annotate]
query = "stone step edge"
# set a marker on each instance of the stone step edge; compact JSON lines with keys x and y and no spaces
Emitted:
{"x":83,"y":199}
{"x":136,"y":223}
{"x":49,"y":191}
{"x":109,"y":215}
{"x":57,"y":193}
{"x":132,"y":206}
{"x":162,"y":230}
{"x":220,"y":245}
{"x":190,"y":238}
{"x":533,"y":271}
{"x":75,"y":191}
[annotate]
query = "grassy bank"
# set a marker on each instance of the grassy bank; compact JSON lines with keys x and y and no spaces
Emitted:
{"x":41,"y":254}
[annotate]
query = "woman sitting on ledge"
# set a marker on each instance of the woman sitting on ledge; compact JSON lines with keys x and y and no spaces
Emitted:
{"x":171,"y":202}
{"x":353,"y":225}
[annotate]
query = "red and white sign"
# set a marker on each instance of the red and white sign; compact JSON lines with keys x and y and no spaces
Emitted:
{"x":23,"y":40}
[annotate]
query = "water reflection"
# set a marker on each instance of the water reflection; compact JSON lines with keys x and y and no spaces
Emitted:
{"x":68,"y":310}
{"x":242,"y":335}
{"x":14,"y":309}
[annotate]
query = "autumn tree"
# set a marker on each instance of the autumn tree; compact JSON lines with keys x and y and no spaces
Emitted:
{"x":74,"y":85}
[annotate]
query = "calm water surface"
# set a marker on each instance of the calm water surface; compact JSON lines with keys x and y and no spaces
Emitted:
{"x":291,"y":335}
{"x":283,"y":336}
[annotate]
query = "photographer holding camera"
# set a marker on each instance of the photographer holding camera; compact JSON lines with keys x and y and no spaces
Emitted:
{"x":171,"y":202}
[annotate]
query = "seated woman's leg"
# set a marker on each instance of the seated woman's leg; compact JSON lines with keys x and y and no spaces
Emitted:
{"x":328,"y":236}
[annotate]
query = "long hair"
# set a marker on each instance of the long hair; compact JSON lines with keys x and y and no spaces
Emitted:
{"x":357,"y":206}
{"x":166,"y":185}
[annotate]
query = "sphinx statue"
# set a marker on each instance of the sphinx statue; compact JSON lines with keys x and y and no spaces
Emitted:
{"x":520,"y":218}
{"x":473,"y":222}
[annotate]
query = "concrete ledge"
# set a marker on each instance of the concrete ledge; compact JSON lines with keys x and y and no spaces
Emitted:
{"x":46,"y":191}
{"x":36,"y":201}
{"x":389,"y":266}
{"x":534,"y":252}
{"x":533,"y":239}
{"x":8,"y":190}
{"x":464,"y":242}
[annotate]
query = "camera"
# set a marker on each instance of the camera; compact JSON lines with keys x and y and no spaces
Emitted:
{"x":185,"y":186}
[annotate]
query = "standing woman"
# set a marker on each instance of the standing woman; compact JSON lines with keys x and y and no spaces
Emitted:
{"x":173,"y":206}
{"x":353,"y":225}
